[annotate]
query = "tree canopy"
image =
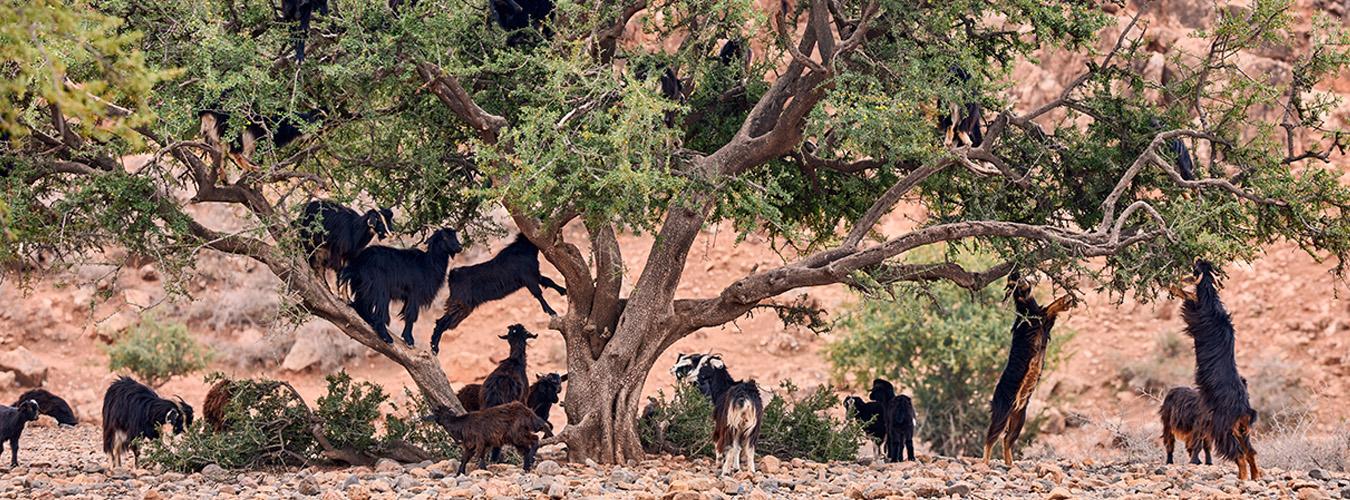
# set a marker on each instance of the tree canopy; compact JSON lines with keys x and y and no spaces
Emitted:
{"x":811,"y":135}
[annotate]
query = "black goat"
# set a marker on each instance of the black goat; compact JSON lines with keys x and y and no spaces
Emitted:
{"x":513,"y":268}
{"x":516,"y":15}
{"x":1185,"y":164}
{"x":301,"y":10}
{"x":543,"y":394}
{"x":898,"y":420}
{"x":12,"y":422}
{"x":131,"y":411}
{"x":1026,"y":359}
{"x":508,"y":382}
{"x":380,"y":274}
{"x":331,"y":234}
{"x":966,"y":124}
{"x":871,"y":414}
{"x":1185,"y":417}
{"x":510,"y":424}
{"x":282,"y":130}
{"x":51,"y":405}
{"x":738,"y":412}
{"x":1222,"y":389}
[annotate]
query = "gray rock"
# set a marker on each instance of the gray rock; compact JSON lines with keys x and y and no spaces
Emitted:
{"x":557,"y":490}
{"x":623,"y":476}
{"x":215,"y":472}
{"x":960,"y":488}
{"x":351,"y":480}
{"x":548,"y":468}
{"x":1318,"y":474}
{"x":308,"y":486}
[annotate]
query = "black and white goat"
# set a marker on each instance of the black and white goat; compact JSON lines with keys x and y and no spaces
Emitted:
{"x":513,"y":268}
{"x":688,"y":366}
{"x":898,"y":418}
{"x":737,"y":414}
{"x":281,"y":129}
{"x":50,"y":405}
{"x":508,"y":382}
{"x":380,"y":274}
{"x":12,"y":422}
{"x":132,"y":410}
{"x":332,"y":234}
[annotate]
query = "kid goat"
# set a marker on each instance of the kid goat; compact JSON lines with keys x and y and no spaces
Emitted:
{"x":737,"y":414}
{"x":898,"y":420}
{"x":132,"y":410}
{"x":1026,"y":359}
{"x":1216,"y":375}
{"x":12,"y":422}
{"x":380,"y":274}
{"x":513,"y":268}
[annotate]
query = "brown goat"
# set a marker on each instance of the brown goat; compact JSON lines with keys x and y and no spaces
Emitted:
{"x":213,"y":409}
{"x":1185,"y":417}
{"x":471,"y":396}
{"x":511,"y":424}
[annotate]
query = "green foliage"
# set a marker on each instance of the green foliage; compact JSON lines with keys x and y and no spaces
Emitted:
{"x":156,"y":352}
{"x":405,"y":423}
{"x":349,"y":411}
{"x":269,"y":426}
{"x":792,"y":427}
{"x":946,"y":345}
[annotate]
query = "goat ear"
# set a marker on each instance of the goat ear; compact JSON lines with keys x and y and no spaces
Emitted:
{"x":172,"y":414}
{"x":717,"y":363}
{"x":562,"y":377}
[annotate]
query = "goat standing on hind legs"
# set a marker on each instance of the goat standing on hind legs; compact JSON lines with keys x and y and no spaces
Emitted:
{"x":1222,"y":389}
{"x":1026,"y":359}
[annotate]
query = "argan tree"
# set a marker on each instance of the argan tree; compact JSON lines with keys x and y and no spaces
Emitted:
{"x":810,"y":135}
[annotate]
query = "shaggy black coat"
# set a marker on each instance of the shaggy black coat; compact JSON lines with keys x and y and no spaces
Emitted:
{"x":738,"y":412}
{"x":543,"y":394}
{"x":967,"y":124}
{"x":507,"y":382}
{"x":513,"y":268}
{"x":1216,"y":373}
{"x":871,"y":414}
{"x":380,"y":274}
{"x":132,"y":410}
{"x":1026,"y":358}
{"x":510,"y":424}
{"x":332,"y":234}
{"x":1185,"y":417}
{"x":282,"y":130}
{"x":12,"y":422}
{"x":301,"y":10}
{"x":50,"y":405}
{"x":515,"y":15}
{"x":897,"y":417}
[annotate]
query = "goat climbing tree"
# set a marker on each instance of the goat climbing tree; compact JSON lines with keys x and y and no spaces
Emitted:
{"x":810,"y":135}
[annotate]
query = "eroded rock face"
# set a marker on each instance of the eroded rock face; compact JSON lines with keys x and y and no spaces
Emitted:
{"x":28,"y":370}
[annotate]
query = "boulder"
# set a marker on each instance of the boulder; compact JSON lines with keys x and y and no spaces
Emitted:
{"x":28,"y":370}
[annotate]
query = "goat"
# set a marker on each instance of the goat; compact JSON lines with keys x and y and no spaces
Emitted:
{"x":132,"y":410}
{"x":513,"y":268}
{"x":283,"y":130}
{"x":898,"y":420}
{"x":510,"y":424}
{"x":339,"y":232}
{"x":470,"y":396}
{"x":966,"y":124}
{"x":688,"y":366}
{"x":734,"y":51}
{"x":301,"y":10}
{"x":870,"y":413}
{"x":1185,"y":417}
{"x":380,"y":274}
{"x":515,"y":15}
{"x":508,"y":382}
{"x":1026,"y":359}
{"x":12,"y":422}
{"x":543,"y":394}
{"x":51,"y":405}
{"x":1221,"y":388}
{"x":737,"y":415}
{"x":213,"y":407}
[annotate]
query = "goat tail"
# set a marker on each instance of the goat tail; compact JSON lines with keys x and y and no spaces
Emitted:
{"x":1230,"y":434}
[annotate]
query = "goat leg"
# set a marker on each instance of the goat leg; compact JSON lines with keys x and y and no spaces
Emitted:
{"x":539,"y":295}
{"x":410,"y":311}
{"x":14,"y":452}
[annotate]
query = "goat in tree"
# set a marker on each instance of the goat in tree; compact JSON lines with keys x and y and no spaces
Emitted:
{"x":513,"y":268}
{"x":380,"y":274}
{"x":332,"y":235}
{"x":301,"y":10}
{"x":962,"y":120}
{"x":1221,"y":388}
{"x":282,"y":130}
{"x":12,"y":422}
{"x":1026,"y":359}
{"x":132,"y":410}
{"x":49,"y":404}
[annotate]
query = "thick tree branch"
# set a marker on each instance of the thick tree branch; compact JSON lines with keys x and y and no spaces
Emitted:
{"x":453,"y":95}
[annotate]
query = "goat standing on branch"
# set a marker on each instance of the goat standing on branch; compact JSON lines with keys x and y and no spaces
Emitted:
{"x":1222,"y":389}
{"x":1026,"y":359}
{"x":332,"y":235}
{"x":381,"y":274}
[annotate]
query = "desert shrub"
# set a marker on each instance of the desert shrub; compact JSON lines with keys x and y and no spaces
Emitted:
{"x":1277,"y":392}
{"x":947,"y":346}
{"x":155,"y":352}
{"x":1170,"y":363}
{"x":792,"y":427}
{"x":349,"y":411}
{"x":270,"y":427}
{"x":1294,"y":445}
{"x":405,"y":423}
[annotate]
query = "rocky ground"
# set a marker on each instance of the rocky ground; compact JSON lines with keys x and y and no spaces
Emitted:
{"x":66,"y":463}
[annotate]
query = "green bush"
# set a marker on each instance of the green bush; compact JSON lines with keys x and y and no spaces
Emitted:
{"x":946,"y":345}
{"x":349,"y":411}
{"x":792,"y":428}
{"x":156,"y":352}
{"x":269,"y":427}
{"x":405,"y":423}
